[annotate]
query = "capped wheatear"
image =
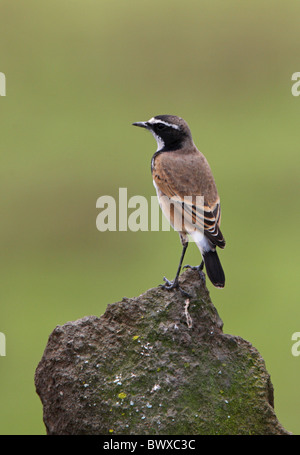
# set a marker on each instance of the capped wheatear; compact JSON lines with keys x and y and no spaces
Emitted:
{"x":187,"y":193}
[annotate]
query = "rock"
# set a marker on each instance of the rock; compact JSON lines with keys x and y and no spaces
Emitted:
{"x":157,"y":364}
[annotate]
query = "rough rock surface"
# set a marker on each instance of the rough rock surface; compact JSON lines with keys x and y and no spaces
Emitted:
{"x":155,"y":364}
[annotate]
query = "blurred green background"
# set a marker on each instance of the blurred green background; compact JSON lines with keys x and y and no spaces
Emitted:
{"x":78,"y":74}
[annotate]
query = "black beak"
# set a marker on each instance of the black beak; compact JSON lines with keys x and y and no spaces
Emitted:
{"x":141,"y":124}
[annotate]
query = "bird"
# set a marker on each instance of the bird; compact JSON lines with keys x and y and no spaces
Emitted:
{"x":187,"y":194}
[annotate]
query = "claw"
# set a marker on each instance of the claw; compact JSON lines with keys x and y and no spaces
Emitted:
{"x":174,"y":285}
{"x":191,"y":267}
{"x":197,"y":267}
{"x":170,"y":284}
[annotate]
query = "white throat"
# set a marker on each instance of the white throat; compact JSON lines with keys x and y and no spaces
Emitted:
{"x":160,"y":142}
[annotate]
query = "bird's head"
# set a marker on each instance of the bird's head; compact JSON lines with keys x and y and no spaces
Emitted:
{"x":171,"y":132}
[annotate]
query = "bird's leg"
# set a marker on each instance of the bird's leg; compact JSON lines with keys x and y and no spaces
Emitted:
{"x":175,"y":283}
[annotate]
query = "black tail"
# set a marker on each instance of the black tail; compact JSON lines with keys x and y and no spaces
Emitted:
{"x":214,"y":269}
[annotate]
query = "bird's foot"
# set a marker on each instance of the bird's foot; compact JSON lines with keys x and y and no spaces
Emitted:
{"x":199,"y":268}
{"x":170,"y":285}
{"x":192,"y":267}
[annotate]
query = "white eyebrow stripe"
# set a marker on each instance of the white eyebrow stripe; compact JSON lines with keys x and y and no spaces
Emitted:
{"x":153,"y":121}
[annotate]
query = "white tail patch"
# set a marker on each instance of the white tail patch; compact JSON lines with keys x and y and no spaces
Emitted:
{"x":201,"y":241}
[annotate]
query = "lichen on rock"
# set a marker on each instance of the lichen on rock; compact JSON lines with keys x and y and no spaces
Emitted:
{"x":157,"y":364}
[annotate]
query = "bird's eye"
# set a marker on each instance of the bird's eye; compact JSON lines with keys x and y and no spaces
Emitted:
{"x":161,"y":126}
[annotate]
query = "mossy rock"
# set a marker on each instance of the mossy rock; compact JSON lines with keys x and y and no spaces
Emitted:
{"x":157,"y":364}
